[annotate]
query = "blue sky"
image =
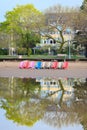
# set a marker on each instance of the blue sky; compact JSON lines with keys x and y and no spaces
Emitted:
{"x":39,"y":4}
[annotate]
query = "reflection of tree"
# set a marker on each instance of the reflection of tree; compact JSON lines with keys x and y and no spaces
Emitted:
{"x":20,"y":107}
{"x":81,"y":110}
{"x":59,"y":119}
{"x":26,"y":106}
{"x":25,"y":112}
{"x":61,"y":114}
{"x":53,"y":87}
{"x":81,"y":101}
{"x":18,"y":87}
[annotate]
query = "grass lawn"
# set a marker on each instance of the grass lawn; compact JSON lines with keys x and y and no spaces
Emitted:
{"x":39,"y":57}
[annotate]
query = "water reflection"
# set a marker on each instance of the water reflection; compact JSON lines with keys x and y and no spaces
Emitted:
{"x":56,"y":102}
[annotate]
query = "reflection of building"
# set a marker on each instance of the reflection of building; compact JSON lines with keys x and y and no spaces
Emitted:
{"x":52,"y":88}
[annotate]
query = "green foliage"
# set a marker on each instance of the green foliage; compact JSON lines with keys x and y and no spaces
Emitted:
{"x":21,"y":51}
{"x":3,"y":26}
{"x":29,"y":39}
{"x":21,"y":26}
{"x":3,"y":51}
{"x":83,"y":4}
{"x":29,"y":52}
{"x":23,"y":18}
{"x":39,"y":51}
{"x":23,"y":101}
{"x":20,"y":107}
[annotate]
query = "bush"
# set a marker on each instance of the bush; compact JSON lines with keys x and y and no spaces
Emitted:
{"x":22,"y":51}
{"x":4,"y":51}
{"x":29,"y":52}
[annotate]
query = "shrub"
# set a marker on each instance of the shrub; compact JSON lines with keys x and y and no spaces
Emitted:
{"x":4,"y":51}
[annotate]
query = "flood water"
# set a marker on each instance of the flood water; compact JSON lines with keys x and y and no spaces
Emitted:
{"x":43,"y":103}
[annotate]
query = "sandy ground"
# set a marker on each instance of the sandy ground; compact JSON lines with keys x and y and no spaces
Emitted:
{"x":75,"y":69}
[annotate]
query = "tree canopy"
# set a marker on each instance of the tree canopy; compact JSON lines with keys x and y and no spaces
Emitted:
{"x":22,"y":25}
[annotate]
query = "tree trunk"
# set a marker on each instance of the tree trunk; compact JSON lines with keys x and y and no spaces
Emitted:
{"x":86,"y":51}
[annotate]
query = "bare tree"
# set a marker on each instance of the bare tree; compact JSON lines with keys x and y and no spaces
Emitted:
{"x":59,"y":19}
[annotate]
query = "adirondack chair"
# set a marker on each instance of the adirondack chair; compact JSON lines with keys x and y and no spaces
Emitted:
{"x":48,"y":64}
{"x":54,"y":65}
{"x":60,"y":65}
{"x":65,"y":65}
{"x":24,"y":64}
{"x":38,"y":65}
{"x":32,"y":64}
{"x":21,"y":64}
{"x":43,"y":65}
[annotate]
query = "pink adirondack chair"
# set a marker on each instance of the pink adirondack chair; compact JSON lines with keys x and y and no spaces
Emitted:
{"x":24,"y":64}
{"x":32,"y":64}
{"x":65,"y":65}
{"x":21,"y":64}
{"x":54,"y":65}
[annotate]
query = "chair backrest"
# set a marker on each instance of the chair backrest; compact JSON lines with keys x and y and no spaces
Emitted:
{"x":32,"y":65}
{"x":43,"y":65}
{"x":54,"y":65}
{"x":38,"y":65}
{"x":60,"y":65}
{"x":24,"y":64}
{"x":65,"y":65}
{"x":21,"y":64}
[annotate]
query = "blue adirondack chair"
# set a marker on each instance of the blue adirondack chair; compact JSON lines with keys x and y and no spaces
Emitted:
{"x":38,"y":65}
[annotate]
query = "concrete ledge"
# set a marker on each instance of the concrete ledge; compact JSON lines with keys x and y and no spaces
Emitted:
{"x":44,"y":59}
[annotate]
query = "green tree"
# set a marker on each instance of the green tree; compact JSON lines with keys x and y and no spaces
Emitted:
{"x":3,"y":35}
{"x":80,"y":25}
{"x":24,"y":23}
{"x":83,"y":4}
